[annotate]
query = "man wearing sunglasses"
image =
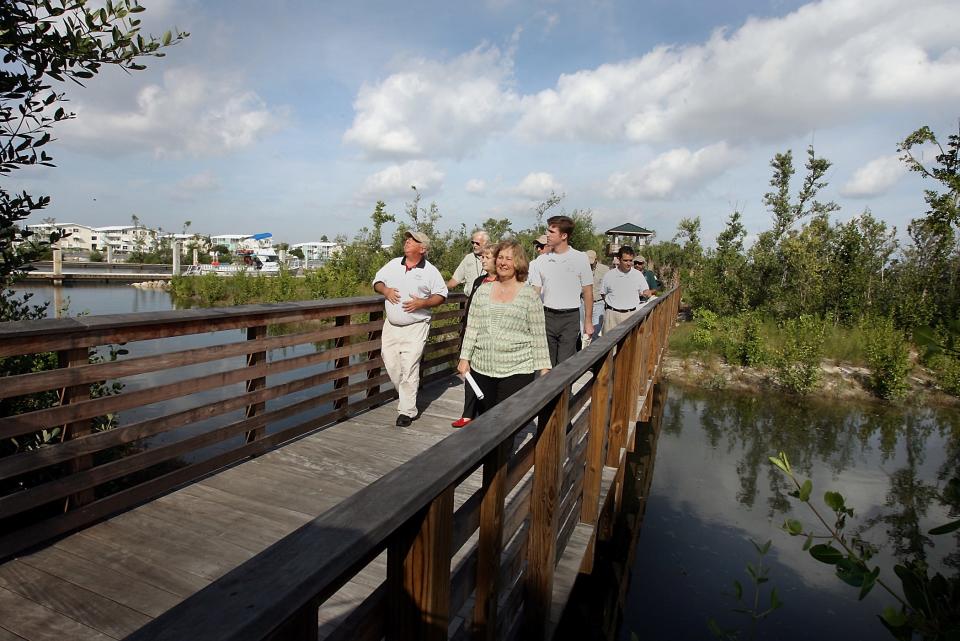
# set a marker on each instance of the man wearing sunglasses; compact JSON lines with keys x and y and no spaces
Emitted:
{"x":472,"y":264}
{"x":640,"y":263}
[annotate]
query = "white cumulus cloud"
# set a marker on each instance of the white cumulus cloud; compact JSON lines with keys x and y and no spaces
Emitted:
{"x":672,"y":171}
{"x":433,"y":108}
{"x":396,"y":180}
{"x":191,"y":112}
{"x":537,"y":185}
{"x":825,"y":63}
{"x":874,"y":178}
{"x":476,"y":186}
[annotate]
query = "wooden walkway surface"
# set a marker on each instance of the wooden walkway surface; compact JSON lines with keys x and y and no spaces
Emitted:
{"x":108,"y":580}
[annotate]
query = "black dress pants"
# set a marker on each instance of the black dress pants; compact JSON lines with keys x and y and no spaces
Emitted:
{"x":496,"y":390}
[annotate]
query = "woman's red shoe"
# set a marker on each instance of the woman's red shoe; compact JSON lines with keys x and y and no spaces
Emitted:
{"x":460,"y":422}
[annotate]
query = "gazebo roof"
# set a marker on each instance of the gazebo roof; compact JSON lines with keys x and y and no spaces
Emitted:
{"x":628,"y":229}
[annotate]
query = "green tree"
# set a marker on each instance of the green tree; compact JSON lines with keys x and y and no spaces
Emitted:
{"x":44,"y":41}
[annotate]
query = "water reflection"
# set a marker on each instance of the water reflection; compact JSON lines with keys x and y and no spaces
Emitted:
{"x":714,"y":489}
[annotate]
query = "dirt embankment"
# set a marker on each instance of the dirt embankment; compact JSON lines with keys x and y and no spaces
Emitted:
{"x":842,"y":381}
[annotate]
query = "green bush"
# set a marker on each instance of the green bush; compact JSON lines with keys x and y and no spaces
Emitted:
{"x":947,"y":371}
{"x":741,"y":340}
{"x":887,"y":357}
{"x":798,"y":360}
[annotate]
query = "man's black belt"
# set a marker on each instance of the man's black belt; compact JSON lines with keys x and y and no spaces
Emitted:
{"x":561,"y":311}
{"x":622,"y":311}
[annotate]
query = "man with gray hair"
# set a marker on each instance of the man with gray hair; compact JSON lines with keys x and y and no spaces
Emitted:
{"x":410,"y":286}
{"x":472,"y":264}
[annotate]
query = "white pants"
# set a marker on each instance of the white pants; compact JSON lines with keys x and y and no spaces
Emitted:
{"x":401,"y":351}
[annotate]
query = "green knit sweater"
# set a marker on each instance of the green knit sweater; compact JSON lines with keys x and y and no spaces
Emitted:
{"x":503,"y":339}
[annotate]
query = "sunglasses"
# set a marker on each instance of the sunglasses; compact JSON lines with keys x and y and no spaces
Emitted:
{"x":539,"y":246}
{"x":638,"y":262}
{"x":473,"y":242}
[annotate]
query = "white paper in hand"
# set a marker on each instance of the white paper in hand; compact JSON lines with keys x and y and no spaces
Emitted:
{"x":473,"y":384}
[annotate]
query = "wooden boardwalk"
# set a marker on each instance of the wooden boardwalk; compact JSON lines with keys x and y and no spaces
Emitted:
{"x":110,"y":579}
{"x":424,"y":532}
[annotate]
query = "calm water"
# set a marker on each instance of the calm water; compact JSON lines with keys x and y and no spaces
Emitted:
{"x":99,"y":299}
{"x":714,"y":491}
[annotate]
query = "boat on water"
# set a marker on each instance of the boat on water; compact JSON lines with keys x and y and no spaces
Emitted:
{"x":253,"y":253}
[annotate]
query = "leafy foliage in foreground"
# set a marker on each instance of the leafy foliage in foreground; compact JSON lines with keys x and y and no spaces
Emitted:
{"x":926,"y":606}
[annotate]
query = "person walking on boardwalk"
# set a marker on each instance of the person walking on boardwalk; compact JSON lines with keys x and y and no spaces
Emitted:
{"x":506,"y":341}
{"x":489,"y":275}
{"x":410,"y":286}
{"x":639,"y":262}
{"x":563,"y":278}
{"x":471,"y":267}
{"x":599,"y":271}
{"x":622,"y":289}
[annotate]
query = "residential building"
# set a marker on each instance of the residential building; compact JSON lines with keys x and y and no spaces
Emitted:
{"x":231,"y":241}
{"x":81,"y":237}
{"x":127,"y":238}
{"x":318,"y":251}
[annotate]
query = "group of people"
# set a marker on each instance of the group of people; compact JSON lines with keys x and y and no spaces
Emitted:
{"x":523,"y":316}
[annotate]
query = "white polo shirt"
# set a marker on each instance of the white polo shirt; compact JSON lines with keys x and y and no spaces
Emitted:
{"x":423,"y":281}
{"x":561,"y":278}
{"x":622,"y":290}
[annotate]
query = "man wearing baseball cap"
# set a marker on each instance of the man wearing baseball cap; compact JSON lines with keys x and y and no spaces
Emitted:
{"x":410,"y":286}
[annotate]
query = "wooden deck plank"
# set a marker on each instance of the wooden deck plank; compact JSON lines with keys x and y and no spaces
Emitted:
{"x":6,"y":635}
{"x":130,"y":563}
{"x":34,"y":622}
{"x":124,"y":589}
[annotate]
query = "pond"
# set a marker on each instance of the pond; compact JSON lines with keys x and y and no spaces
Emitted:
{"x":714,"y":492}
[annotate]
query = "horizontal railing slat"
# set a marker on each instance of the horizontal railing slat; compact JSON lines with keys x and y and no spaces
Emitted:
{"x":85,"y":374}
{"x":40,"y":419}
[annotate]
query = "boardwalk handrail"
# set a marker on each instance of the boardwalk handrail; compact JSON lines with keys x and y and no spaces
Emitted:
{"x":81,"y":475}
{"x":409,"y":512}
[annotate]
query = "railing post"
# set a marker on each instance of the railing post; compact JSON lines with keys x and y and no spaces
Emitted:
{"x":596,"y":450}
{"x":254,"y":384}
{"x":544,"y":517}
{"x":620,"y":414}
{"x":638,"y":377}
{"x":596,"y":440}
{"x":490,"y":545}
{"x":344,"y":361}
{"x":75,"y":358}
{"x":374,"y":353}
{"x":418,"y":574}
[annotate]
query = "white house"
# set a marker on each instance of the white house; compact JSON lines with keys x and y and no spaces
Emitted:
{"x":189,"y":241}
{"x":231,"y":241}
{"x":318,"y":251}
{"x":127,"y":238}
{"x":81,"y":238}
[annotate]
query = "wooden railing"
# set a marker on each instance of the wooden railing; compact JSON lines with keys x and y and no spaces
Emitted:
{"x":223,"y":414}
{"x":523,"y":522}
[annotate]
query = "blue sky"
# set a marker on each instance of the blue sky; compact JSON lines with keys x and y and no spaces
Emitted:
{"x":295,"y":117}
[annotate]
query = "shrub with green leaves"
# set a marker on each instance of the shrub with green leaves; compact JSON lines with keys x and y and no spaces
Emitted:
{"x":947,"y":371}
{"x":888,"y":358}
{"x":798,"y":361}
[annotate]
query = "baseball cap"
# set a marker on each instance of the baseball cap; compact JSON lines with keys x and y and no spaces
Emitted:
{"x":418,"y":236}
{"x":591,"y":256}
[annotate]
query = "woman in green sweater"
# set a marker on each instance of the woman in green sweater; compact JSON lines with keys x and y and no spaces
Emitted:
{"x":506,"y":340}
